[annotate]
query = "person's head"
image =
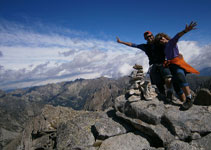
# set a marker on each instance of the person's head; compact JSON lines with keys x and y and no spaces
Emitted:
{"x":148,"y":36}
{"x":162,"y":38}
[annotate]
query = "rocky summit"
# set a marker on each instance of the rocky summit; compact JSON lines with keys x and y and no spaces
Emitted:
{"x":19,"y":106}
{"x":140,"y":119}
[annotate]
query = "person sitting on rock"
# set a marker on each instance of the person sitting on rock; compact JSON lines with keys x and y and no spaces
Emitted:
{"x":178,"y":67}
{"x":158,"y":74}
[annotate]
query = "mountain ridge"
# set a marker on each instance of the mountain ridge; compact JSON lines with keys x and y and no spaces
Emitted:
{"x":139,"y":119}
{"x":205,"y":71}
{"x":19,"y":106}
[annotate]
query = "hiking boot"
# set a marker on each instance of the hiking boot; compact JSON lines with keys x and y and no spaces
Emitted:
{"x":187,"y":104}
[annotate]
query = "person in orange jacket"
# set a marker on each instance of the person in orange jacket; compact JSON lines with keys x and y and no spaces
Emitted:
{"x":179,"y":68}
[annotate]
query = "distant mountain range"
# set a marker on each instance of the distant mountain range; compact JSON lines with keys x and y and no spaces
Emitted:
{"x":205,"y":71}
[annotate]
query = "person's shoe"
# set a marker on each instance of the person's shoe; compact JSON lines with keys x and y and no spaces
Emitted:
{"x":187,"y":104}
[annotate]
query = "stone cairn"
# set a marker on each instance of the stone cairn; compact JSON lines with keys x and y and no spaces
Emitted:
{"x":139,"y":87}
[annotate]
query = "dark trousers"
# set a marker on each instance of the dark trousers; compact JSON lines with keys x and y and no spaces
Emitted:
{"x":157,"y":78}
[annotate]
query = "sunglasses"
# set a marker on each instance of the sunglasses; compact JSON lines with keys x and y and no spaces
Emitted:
{"x":160,"y":38}
{"x":148,"y":36}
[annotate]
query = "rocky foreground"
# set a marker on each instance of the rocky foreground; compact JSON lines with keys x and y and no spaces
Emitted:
{"x":19,"y":106}
{"x":139,"y":120}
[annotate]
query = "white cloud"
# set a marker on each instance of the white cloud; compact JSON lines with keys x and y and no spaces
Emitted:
{"x":32,"y":58}
{"x":1,"y":54}
{"x":125,"y":69}
{"x":196,"y":55}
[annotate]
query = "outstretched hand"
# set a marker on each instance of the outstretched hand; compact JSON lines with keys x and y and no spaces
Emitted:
{"x":191,"y":26}
{"x":117,"y":39}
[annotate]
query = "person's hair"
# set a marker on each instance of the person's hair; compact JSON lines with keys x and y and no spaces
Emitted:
{"x":159,"y":35}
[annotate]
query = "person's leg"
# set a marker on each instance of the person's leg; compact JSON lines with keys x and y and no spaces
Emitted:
{"x":168,"y":83}
{"x":178,"y":90}
{"x":167,"y":76}
{"x":161,"y":88}
{"x":183,"y":82}
{"x":156,"y":79}
{"x":182,"y":97}
{"x":186,"y":90}
{"x":181,"y":79}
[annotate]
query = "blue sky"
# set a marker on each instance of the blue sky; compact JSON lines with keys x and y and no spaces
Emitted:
{"x":40,"y":40}
{"x":107,"y":18}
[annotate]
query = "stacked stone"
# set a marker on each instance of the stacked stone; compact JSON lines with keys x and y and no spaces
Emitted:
{"x":140,"y":88}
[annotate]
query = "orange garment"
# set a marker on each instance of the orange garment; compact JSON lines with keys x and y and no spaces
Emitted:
{"x":181,"y":63}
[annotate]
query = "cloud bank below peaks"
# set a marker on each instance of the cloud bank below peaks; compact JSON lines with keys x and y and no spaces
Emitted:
{"x":30,"y":58}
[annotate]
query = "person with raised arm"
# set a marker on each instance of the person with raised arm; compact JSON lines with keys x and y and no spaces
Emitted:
{"x":158,"y":74}
{"x":176,"y":63}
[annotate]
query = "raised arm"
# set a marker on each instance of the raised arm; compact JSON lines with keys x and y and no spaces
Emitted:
{"x":122,"y":42}
{"x":191,"y":26}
